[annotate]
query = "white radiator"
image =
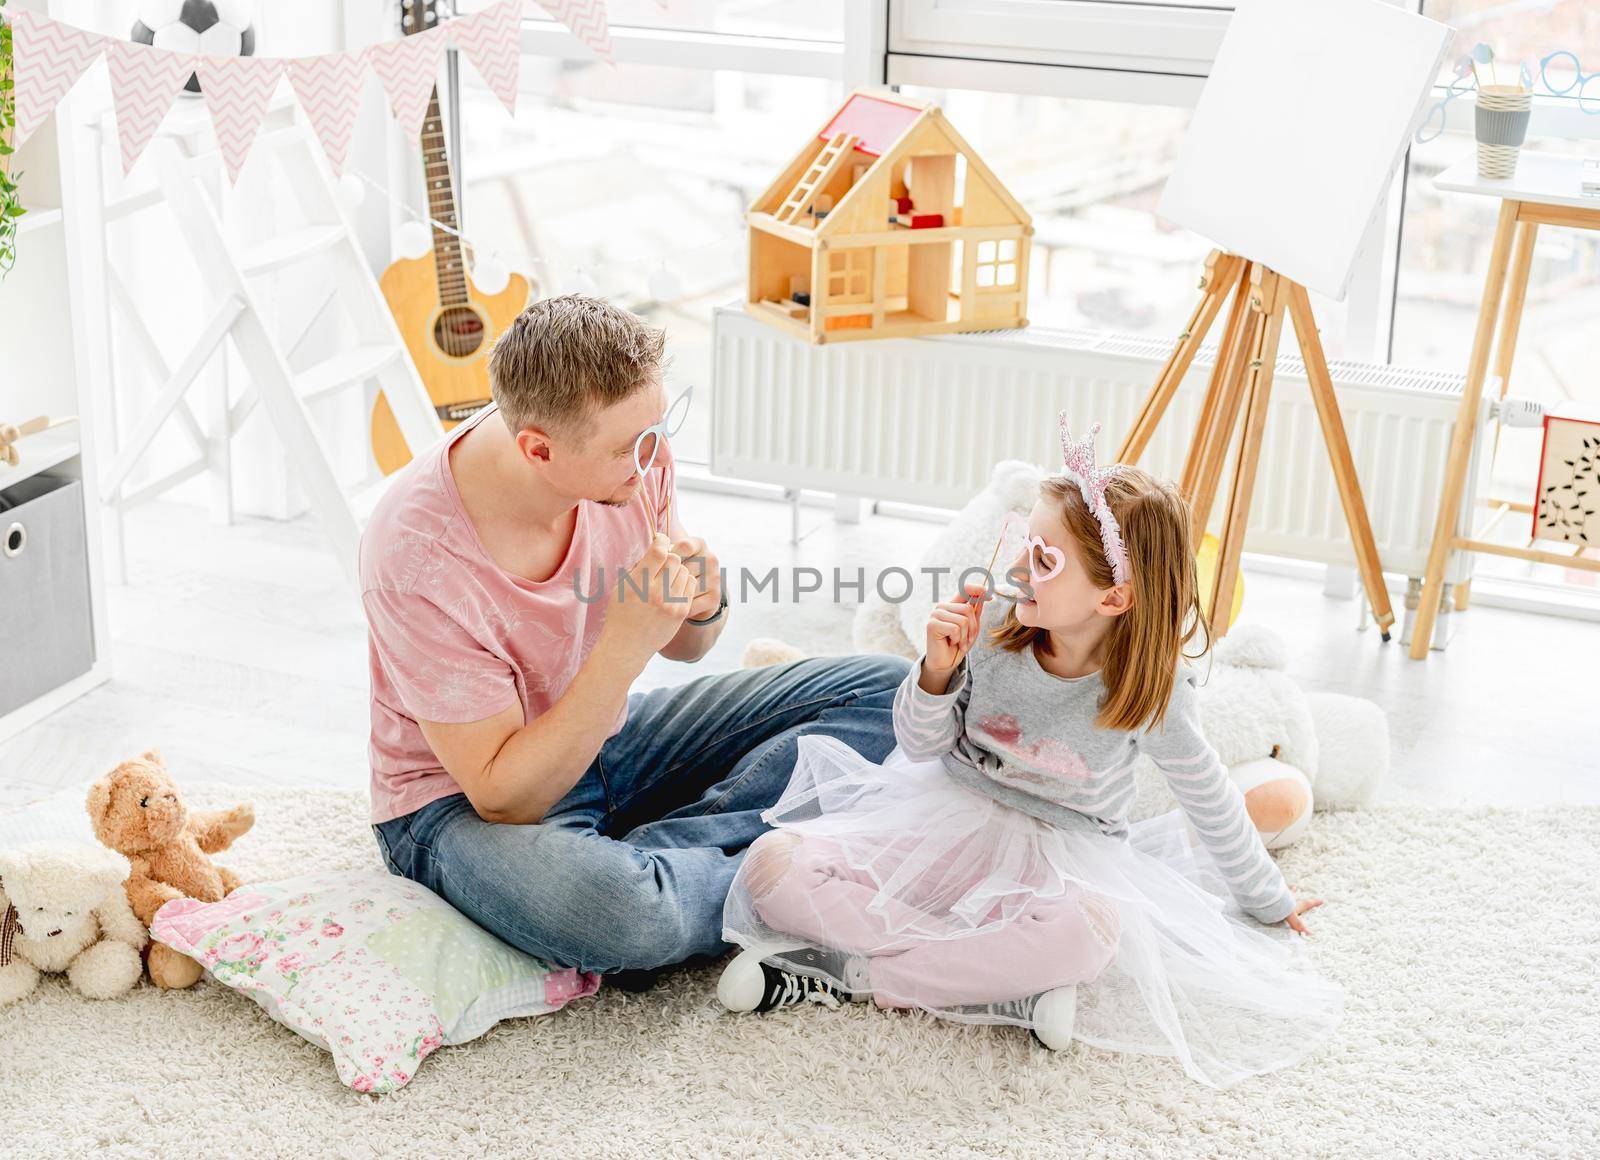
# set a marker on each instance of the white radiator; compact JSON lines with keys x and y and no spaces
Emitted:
{"x":925,"y":420}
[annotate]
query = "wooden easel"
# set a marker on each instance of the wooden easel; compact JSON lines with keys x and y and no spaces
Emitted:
{"x":1242,"y":381}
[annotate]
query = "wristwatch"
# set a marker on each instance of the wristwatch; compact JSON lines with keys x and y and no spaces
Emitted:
{"x":722,"y":607}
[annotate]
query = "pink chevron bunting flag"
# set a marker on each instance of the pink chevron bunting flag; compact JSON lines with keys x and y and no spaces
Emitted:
{"x":329,"y":88}
{"x":48,"y":58}
{"x":490,"y":41}
{"x":144,"y":83}
{"x":587,"y":20}
{"x":409,"y":68}
{"x":237,"y":90}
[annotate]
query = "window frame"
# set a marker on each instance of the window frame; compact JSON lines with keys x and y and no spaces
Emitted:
{"x":1175,"y":38}
{"x":996,"y":262}
{"x":708,"y":50}
{"x":851,"y":270}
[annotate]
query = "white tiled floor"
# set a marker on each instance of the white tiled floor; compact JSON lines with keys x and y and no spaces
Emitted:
{"x":241,"y":654}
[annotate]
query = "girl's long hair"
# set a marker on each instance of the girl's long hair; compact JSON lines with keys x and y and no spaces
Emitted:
{"x":1145,"y":642}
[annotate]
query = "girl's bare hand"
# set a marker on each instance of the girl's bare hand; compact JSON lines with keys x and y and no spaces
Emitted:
{"x":1300,"y":907}
{"x":953,"y":627}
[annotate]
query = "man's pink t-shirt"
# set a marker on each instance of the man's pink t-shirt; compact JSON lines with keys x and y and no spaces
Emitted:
{"x":453,"y":638}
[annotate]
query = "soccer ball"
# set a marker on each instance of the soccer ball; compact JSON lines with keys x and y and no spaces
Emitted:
{"x":212,"y":27}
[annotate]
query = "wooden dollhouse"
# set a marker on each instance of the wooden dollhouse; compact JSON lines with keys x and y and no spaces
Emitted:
{"x":886,"y":225}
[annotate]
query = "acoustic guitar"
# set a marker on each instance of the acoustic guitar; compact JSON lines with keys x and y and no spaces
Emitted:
{"x":448,"y":324}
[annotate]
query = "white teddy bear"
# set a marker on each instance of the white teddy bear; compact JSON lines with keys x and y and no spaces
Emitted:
{"x":1288,"y":751}
{"x":63,"y":908}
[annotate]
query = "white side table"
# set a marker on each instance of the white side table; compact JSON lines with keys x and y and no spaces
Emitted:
{"x":1547,"y":190}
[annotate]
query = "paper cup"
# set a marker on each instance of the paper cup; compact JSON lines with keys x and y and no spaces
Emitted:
{"x":1501,"y":126}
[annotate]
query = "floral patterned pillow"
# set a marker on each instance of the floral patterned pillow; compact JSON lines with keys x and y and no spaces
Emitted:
{"x":372,"y":967}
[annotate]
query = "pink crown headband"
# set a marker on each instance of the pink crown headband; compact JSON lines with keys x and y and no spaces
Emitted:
{"x":1078,"y":457}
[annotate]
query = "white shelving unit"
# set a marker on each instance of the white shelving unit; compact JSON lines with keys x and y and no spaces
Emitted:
{"x":48,"y":451}
{"x":46,"y":361}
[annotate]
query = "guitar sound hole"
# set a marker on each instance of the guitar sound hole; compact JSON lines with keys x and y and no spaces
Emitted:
{"x":459,"y":332}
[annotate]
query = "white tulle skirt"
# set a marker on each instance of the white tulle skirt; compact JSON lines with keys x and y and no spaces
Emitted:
{"x":957,"y":904}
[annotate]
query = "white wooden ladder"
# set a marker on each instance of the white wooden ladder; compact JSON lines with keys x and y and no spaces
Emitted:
{"x":821,"y":170}
{"x":234,"y":280}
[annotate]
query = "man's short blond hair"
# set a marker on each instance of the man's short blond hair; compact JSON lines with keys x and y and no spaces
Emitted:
{"x":566,"y":358}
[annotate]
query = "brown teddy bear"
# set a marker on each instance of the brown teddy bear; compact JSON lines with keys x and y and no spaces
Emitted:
{"x":136,"y":811}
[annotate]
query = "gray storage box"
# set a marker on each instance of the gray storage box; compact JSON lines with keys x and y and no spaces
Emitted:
{"x":46,"y":634}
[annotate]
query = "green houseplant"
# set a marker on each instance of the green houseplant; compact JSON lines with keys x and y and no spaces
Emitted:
{"x":10,"y":200}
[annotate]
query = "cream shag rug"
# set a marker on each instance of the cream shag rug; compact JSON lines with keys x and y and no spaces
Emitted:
{"x":1467,"y":940}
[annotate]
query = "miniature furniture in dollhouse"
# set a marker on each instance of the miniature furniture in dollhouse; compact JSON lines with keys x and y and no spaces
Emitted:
{"x":886,"y":225}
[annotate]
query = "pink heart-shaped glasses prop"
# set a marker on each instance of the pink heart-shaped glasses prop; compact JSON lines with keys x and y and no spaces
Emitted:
{"x":1014,"y":529}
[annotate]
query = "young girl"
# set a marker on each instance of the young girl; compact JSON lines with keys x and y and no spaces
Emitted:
{"x":987,"y":873}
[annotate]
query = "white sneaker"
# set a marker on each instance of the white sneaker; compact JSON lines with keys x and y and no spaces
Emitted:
{"x":743,"y":983}
{"x":748,"y":984}
{"x":1049,"y":1015}
{"x":1054,"y":1013}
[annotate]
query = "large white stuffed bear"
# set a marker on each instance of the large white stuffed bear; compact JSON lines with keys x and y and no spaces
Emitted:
{"x":1289,"y":752}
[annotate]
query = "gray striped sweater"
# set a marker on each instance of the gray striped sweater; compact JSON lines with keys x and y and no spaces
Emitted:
{"x":1025,"y":737}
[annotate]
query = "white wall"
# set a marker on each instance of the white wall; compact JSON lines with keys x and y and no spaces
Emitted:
{"x":36,"y":364}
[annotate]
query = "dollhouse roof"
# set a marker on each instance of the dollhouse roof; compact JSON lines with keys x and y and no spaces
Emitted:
{"x":877,"y":122}
{"x":887,"y":128}
{"x":864,"y":111}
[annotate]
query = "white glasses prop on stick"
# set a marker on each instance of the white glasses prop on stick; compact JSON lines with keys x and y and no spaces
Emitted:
{"x":648,"y":445}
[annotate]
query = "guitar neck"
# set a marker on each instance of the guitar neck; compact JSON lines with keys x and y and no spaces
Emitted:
{"x":447,"y":251}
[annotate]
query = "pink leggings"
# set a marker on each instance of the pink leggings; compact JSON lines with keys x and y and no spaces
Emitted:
{"x":803,"y":888}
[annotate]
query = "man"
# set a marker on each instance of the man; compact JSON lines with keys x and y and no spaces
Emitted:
{"x":512,"y":771}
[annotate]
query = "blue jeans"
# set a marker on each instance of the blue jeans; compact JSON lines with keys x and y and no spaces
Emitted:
{"x":631,"y":868}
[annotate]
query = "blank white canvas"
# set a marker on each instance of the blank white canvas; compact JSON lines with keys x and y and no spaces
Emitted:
{"x":1299,"y":129}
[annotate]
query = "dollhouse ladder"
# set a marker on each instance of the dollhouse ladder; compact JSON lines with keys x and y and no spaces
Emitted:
{"x":235,"y":279}
{"x":823,"y":166}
